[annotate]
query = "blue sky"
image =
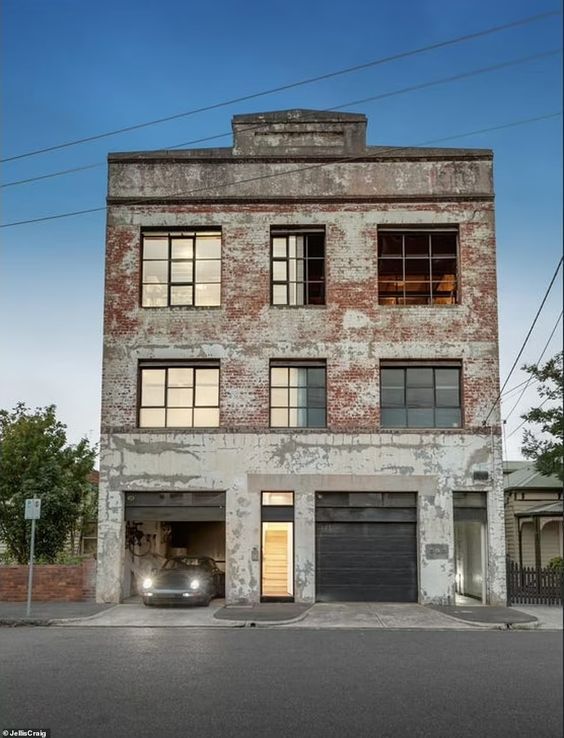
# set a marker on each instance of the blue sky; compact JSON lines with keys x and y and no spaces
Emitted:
{"x":73,"y":69}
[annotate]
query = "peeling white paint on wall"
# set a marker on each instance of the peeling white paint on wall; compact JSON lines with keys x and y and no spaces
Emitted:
{"x":351,"y":200}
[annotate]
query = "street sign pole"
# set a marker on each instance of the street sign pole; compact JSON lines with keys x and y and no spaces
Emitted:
{"x":33,"y":513}
{"x":30,"y":577}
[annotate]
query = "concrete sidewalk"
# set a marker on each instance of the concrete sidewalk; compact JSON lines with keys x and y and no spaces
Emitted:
{"x":14,"y":613}
{"x":489,"y":616}
{"x":267,"y":613}
{"x":216,"y":615}
{"x":394,"y":616}
{"x":137,"y":615}
{"x":549,"y":617}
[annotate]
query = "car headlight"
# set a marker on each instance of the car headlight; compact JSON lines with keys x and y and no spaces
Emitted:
{"x":147,"y":583}
{"x":194,"y":584}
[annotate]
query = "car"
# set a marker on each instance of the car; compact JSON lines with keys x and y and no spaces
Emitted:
{"x":184,"y":580}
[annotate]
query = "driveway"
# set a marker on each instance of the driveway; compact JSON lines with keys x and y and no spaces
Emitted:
{"x":377,"y":615}
{"x":136,"y":615}
{"x":320,"y":616}
{"x":351,"y":615}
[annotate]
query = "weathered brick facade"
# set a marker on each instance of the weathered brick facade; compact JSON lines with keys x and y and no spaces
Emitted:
{"x":352,"y":332}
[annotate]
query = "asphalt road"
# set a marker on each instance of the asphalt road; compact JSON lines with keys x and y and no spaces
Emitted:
{"x":267,"y":683}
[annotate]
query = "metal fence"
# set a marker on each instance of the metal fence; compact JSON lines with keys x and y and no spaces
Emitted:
{"x":527,"y":585}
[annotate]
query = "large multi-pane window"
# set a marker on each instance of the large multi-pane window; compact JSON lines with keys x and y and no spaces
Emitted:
{"x":179,"y":395}
{"x":417,"y":267}
{"x":297,"y":395}
{"x":420,"y":396}
{"x":298,"y":267}
{"x":181,"y":268}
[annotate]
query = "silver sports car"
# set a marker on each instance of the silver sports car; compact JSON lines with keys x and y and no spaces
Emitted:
{"x":184,"y":580}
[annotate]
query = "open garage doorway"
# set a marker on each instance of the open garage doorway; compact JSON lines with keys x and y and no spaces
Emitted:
{"x":165,"y":525}
{"x":197,"y":538}
{"x":470,"y":546}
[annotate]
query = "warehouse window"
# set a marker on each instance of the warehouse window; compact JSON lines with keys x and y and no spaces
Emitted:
{"x":181,"y":268}
{"x":298,"y":267}
{"x":179,"y":395}
{"x":297,"y":395}
{"x":420,"y":396}
{"x":417,"y":267}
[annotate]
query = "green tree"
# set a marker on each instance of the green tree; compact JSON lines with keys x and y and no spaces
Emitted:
{"x":546,"y":449}
{"x":37,"y":461}
{"x":87,"y":517}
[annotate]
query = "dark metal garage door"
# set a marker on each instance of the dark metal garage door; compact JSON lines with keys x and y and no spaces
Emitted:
{"x":366,"y":549}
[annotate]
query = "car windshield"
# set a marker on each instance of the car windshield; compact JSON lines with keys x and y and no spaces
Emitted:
{"x":187,"y":563}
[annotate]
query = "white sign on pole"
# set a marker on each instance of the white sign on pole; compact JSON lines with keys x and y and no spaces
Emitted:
{"x":33,"y":513}
{"x":32,"y":509}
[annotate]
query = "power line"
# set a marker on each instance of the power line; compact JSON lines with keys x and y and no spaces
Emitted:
{"x":528,"y":381}
{"x":103,"y":163}
{"x":546,"y":294}
{"x":513,"y":432}
{"x":330,"y":75}
{"x":516,"y":388}
{"x":296,"y":170}
{"x":381,"y":96}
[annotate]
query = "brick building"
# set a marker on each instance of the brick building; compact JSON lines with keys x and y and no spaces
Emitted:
{"x":300,"y":349}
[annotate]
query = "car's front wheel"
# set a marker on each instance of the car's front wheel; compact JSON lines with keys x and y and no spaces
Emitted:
{"x":147,"y":602}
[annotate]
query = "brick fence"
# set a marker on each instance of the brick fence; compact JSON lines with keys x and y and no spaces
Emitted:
{"x":51,"y":582}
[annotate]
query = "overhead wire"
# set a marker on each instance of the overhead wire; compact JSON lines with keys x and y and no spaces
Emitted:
{"x":282,"y":88}
{"x":516,"y":388}
{"x":538,"y":361}
{"x":526,"y":339}
{"x":513,"y":432}
{"x":372,"y":98}
{"x":383,"y":151}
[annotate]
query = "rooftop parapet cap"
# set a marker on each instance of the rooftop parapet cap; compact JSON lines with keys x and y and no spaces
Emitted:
{"x":299,"y":132}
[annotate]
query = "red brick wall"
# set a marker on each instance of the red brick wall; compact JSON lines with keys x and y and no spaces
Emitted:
{"x":352,"y":332}
{"x":51,"y":583}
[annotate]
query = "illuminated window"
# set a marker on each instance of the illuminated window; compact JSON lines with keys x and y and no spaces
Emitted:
{"x":277,"y":546}
{"x":277,"y":498}
{"x":417,"y":267}
{"x":420,"y":396}
{"x":181,"y":268}
{"x":179,"y":396}
{"x":298,"y":267}
{"x":297,"y":395}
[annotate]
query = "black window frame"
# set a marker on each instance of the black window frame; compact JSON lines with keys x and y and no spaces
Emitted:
{"x":278,"y":514}
{"x":177,"y":364}
{"x":171,"y":234}
{"x":297,"y":364}
{"x":431,"y":298}
{"x":434,"y":366}
{"x":305,"y":231}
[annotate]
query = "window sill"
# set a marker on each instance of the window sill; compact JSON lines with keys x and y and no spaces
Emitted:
{"x":424,"y":306}
{"x":181,"y":307}
{"x":179,"y":429}
{"x":292,"y":428}
{"x":410,"y":429}
{"x":297,"y":307}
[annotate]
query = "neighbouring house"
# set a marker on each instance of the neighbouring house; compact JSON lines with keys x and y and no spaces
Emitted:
{"x":533,"y":515}
{"x":301,"y":366}
{"x":84,"y":539}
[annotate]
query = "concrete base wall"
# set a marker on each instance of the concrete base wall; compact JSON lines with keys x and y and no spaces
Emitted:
{"x":244,"y":464}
